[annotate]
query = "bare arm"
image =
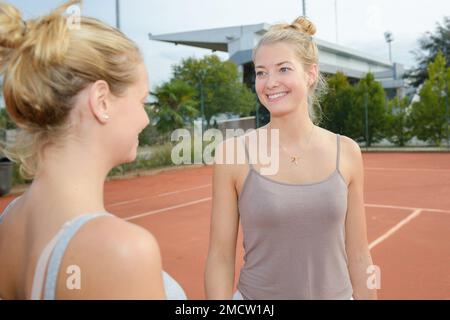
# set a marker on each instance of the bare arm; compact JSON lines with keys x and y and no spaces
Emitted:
{"x":358,"y":254}
{"x":220,"y":264}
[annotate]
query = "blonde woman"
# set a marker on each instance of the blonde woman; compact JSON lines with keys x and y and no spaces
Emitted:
{"x":77,"y":93}
{"x":304,"y":227}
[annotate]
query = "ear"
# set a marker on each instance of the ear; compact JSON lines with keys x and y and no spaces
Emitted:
{"x":99,"y":103}
{"x":312,"y":72}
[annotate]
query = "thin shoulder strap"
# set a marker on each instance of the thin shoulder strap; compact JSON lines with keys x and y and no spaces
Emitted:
{"x":58,"y":253}
{"x":7,"y":209}
{"x":247,"y":157}
{"x":41,"y":266}
{"x":338,"y":156}
{"x":52,"y":256}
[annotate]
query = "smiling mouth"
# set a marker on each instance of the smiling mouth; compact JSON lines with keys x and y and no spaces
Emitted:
{"x":276,"y":96}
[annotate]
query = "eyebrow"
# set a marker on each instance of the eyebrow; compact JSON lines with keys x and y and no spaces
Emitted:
{"x":278,"y":64}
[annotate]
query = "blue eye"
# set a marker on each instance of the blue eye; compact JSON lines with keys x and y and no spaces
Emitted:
{"x":284,"y":69}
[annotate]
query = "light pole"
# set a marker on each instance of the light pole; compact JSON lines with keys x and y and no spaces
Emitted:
{"x":446,"y":110}
{"x":366,"y":114}
{"x":336,"y":20}
{"x":202,"y":105}
{"x":388,"y":37}
{"x":118,"y":14}
{"x":202,"y":75}
{"x":304,"y":7}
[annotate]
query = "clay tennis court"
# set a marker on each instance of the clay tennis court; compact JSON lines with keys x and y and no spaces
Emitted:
{"x":407,"y":198}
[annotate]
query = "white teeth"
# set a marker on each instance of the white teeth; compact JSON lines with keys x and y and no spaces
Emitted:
{"x":277,"y":95}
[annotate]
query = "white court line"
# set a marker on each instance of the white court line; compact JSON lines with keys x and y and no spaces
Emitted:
{"x":405,"y":208}
{"x":183,"y":190}
{"x":406,"y":169}
{"x":186,"y":204}
{"x":391,"y":231}
{"x":115,"y":204}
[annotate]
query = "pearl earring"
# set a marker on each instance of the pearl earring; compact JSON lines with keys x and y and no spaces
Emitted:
{"x":105,"y":116}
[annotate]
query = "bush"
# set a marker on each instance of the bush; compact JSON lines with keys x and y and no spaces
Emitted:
{"x":160,"y":157}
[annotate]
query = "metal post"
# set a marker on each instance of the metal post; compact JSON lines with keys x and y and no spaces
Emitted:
{"x":257,"y":114}
{"x":336,"y":20}
{"x":366,"y":98}
{"x":202,"y":104}
{"x":388,"y":37}
{"x":202,"y":108}
{"x":304,"y":8}
{"x":390,"y":52}
{"x":118,"y":14}
{"x":446,"y":110}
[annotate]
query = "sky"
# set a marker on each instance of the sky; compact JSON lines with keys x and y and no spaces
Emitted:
{"x":360,"y":23}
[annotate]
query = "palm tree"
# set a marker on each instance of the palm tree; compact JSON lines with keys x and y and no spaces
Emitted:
{"x":175,"y":106}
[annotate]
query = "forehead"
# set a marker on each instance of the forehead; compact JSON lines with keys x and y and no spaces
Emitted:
{"x":269,"y":55}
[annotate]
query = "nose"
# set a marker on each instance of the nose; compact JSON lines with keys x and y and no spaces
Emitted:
{"x":272,"y":82}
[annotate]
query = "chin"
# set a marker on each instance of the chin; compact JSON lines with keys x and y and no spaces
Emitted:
{"x":132,"y":157}
{"x":129,"y":157}
{"x":278,"y":112}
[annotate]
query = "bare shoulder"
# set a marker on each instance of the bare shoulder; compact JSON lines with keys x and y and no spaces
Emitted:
{"x":129,"y":238}
{"x":229,"y":155}
{"x":347,"y":144}
{"x":118,"y":260}
{"x":350,"y":147}
{"x":352,"y":161}
{"x":350,"y":155}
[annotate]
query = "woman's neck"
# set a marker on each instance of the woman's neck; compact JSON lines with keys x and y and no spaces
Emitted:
{"x":72,"y":177}
{"x":294,"y":128}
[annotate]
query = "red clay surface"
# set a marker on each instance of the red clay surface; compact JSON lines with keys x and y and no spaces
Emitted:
{"x":414,"y":259}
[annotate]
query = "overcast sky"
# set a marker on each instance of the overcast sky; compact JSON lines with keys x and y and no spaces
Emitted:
{"x":361,"y":23}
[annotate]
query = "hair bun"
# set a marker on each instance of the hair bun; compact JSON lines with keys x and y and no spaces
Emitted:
{"x":302,"y":24}
{"x":12,"y":27}
{"x":46,"y":37}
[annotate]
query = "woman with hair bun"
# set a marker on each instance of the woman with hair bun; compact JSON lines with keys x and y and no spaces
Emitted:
{"x":304,"y":227}
{"x":77,"y":95}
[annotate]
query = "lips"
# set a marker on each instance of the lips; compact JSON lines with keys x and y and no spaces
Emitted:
{"x":276,"y":96}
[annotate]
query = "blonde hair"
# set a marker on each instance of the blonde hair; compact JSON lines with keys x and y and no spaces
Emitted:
{"x":299,"y":34}
{"x":46,"y":63}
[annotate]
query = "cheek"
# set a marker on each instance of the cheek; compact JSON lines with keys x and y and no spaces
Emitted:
{"x":137,"y":118}
{"x":144,"y":119}
{"x":259,"y":87}
{"x":299,"y":87}
{"x":131,"y":121}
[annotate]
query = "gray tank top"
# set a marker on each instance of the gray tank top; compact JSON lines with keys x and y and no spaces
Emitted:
{"x":294,"y":238}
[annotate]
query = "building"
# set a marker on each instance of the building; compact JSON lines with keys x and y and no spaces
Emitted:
{"x":239,"y":42}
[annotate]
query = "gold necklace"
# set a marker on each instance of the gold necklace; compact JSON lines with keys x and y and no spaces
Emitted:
{"x":295,"y":158}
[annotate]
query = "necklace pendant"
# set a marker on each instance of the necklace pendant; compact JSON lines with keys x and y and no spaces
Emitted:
{"x":294,"y":160}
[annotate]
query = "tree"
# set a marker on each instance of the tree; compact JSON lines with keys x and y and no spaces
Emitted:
{"x":369,"y":98}
{"x":399,"y":126}
{"x":5,"y":120}
{"x":336,"y":104}
{"x":430,"y":44}
{"x":429,"y":114}
{"x":2,"y":119}
{"x":175,"y":107}
{"x":223,"y":91}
